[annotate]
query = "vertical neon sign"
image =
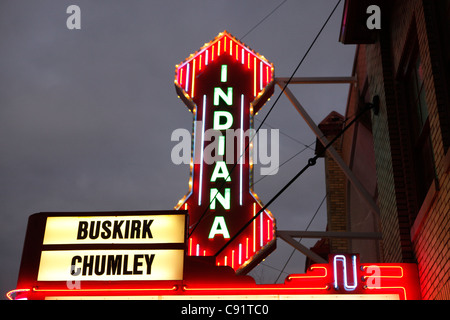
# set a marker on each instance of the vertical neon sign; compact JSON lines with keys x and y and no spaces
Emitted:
{"x":224,"y":93}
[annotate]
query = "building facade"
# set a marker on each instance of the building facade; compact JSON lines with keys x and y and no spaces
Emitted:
{"x":401,"y":153}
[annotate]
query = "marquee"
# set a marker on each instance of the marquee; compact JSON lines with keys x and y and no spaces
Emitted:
{"x":218,"y":230}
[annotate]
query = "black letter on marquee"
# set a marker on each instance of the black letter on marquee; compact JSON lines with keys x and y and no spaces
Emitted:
{"x":135,"y":228}
{"x":114,"y":264}
{"x":82,"y":230}
{"x":94,"y":230}
{"x":105,"y":226}
{"x":125,"y":265}
{"x":88,"y":265}
{"x":137,"y":263}
{"x":100,"y":265}
{"x":72,"y":269}
{"x":116,"y":230}
{"x":146,"y":229}
{"x":149,"y":261}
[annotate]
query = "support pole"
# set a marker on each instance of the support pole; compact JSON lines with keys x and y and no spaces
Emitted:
{"x":289,"y":236}
{"x":330,"y":234}
{"x":297,"y":245}
{"x":317,"y":80}
{"x":336,"y":157}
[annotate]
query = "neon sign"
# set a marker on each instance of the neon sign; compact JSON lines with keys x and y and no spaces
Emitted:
{"x":346,"y":272}
{"x":67,"y":248}
{"x":224,"y":84}
{"x":148,"y":254}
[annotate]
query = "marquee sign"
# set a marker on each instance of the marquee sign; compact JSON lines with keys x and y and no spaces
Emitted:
{"x":78,"y":248}
{"x":224,"y":84}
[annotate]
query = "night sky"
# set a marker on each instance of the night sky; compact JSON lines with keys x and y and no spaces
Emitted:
{"x":86,"y":116}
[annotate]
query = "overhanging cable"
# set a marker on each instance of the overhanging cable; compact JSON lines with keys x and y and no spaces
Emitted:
{"x":262,"y":20}
{"x":300,"y":63}
{"x":286,"y":135}
{"x":307,"y":227}
{"x":292,"y":157}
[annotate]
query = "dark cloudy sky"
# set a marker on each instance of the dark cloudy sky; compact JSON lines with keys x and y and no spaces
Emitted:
{"x":86,"y":115}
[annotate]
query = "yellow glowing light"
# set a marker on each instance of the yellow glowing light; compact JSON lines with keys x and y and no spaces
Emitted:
{"x":82,"y":230}
{"x":73,"y":265}
{"x":232,"y":259}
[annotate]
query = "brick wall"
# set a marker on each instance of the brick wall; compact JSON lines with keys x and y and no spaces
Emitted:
{"x":381,"y":129}
{"x":408,"y":236}
{"x":431,"y":228}
{"x":358,"y":153}
{"x":335,"y":184}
